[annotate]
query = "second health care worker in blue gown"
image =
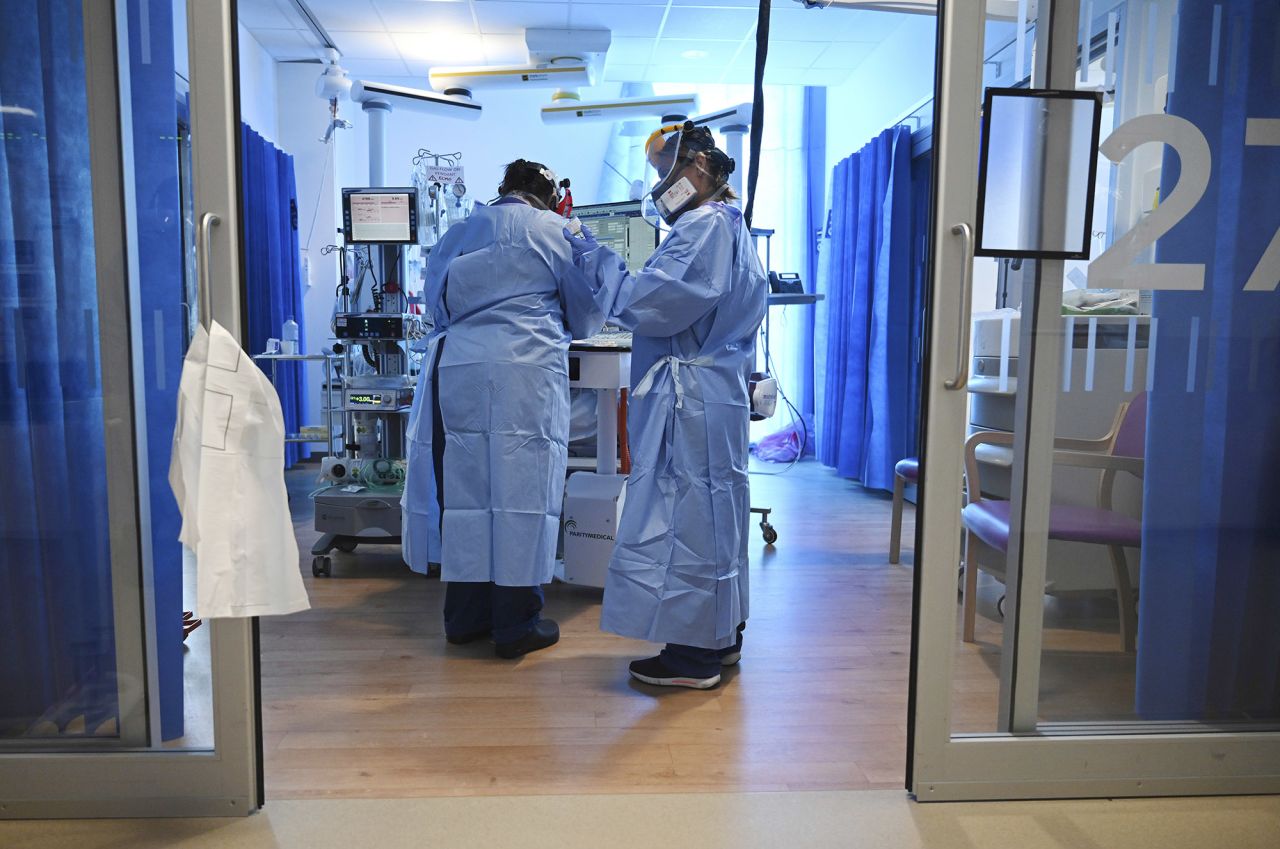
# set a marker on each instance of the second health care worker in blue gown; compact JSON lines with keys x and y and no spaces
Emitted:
{"x":679,"y":571}
{"x":489,"y":429}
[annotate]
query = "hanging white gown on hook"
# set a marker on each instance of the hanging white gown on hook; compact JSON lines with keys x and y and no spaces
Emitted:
{"x":227,"y":473}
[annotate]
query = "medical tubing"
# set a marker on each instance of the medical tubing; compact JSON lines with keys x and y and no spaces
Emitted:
{"x":796,"y":418}
{"x":328,"y":158}
{"x":376,"y":292}
{"x":757,"y":109}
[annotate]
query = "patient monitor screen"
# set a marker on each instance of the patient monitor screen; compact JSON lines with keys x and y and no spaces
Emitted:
{"x":380,"y":217}
{"x":622,"y":227}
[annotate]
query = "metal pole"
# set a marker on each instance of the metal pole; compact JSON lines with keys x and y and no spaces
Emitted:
{"x":733,"y":142}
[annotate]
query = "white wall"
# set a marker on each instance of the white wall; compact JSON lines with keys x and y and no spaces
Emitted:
{"x":894,"y":78}
{"x":301,"y":118}
{"x":258,"y":87}
{"x":509,"y":128}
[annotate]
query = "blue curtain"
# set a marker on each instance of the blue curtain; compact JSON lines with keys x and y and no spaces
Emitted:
{"x":273,"y":269}
{"x":57,"y":663}
{"x":874,"y":315}
{"x":161,"y":295}
{"x":1208,"y":642}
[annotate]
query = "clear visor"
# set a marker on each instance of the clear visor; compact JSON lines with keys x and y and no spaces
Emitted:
{"x":666,"y":154}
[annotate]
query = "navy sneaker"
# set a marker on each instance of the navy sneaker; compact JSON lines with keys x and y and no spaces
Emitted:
{"x":733,"y":654}
{"x":653,"y":671}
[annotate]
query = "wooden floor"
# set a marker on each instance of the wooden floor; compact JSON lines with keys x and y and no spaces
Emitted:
{"x":363,"y":698}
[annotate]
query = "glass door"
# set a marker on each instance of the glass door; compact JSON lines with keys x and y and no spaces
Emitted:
{"x":114,"y":701}
{"x":1097,"y":580}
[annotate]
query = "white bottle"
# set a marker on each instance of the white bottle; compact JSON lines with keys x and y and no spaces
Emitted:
{"x":289,"y":337}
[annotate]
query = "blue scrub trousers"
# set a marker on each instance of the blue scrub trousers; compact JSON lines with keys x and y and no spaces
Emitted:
{"x":471,"y":608}
{"x":695,"y":662}
{"x":475,"y":607}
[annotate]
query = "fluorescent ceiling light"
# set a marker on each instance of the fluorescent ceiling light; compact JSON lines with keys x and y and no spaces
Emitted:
{"x":694,"y":54}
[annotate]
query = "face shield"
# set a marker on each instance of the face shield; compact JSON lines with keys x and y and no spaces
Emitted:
{"x":670,"y":155}
{"x":673,"y":152}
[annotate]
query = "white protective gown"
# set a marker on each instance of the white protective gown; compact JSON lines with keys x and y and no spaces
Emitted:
{"x":227,"y":473}
{"x":504,"y":295}
{"x":679,"y":571}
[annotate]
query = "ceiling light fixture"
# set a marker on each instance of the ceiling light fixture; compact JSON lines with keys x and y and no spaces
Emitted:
{"x":694,"y":54}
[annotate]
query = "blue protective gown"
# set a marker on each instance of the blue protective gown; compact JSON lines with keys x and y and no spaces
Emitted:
{"x":679,"y":570}
{"x":504,"y":295}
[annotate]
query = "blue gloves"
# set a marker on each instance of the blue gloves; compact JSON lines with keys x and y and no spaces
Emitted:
{"x":582,"y":244}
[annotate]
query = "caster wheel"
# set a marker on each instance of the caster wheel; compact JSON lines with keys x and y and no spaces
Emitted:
{"x":321,"y":566}
{"x":770,"y":535}
{"x":346,"y":546}
{"x":1000,"y":607}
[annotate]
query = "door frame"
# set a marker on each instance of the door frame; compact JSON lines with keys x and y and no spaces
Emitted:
{"x":132,"y":779}
{"x":1019,"y":762}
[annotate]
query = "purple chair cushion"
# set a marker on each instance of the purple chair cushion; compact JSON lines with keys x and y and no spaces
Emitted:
{"x":989,"y":521}
{"x":908,"y":469}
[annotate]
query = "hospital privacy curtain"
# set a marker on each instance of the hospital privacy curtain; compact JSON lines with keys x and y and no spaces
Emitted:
{"x":1208,"y":638}
{"x":57,"y":664}
{"x":273,"y":268}
{"x":867,"y":342}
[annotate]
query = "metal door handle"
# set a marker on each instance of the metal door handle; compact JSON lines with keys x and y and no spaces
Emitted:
{"x":204,"y":295}
{"x":961,"y":378}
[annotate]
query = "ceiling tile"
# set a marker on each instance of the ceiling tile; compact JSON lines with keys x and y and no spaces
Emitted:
{"x":786,"y":54}
{"x":709,"y":23}
{"x":786,"y":76}
{"x":844,"y":56}
{"x":374,"y":68}
{"x":731,"y":4}
{"x":800,"y":24}
{"x":619,"y":19}
{"x":287,"y":43}
{"x":445,"y":19}
{"x":431,"y":48}
{"x":696,"y":52}
{"x":684,"y":74}
{"x":618,"y":73}
{"x":365,"y":45}
{"x":794,"y":23}
{"x":511,"y":17}
{"x":505,"y":49}
{"x":631,"y":51}
{"x":346,"y":15}
{"x":268,"y":14}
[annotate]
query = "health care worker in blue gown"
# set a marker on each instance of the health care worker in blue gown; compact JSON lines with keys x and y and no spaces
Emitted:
{"x":679,"y":570}
{"x":489,"y":429}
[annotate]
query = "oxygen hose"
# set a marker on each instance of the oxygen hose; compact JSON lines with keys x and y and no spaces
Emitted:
{"x":757,"y":109}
